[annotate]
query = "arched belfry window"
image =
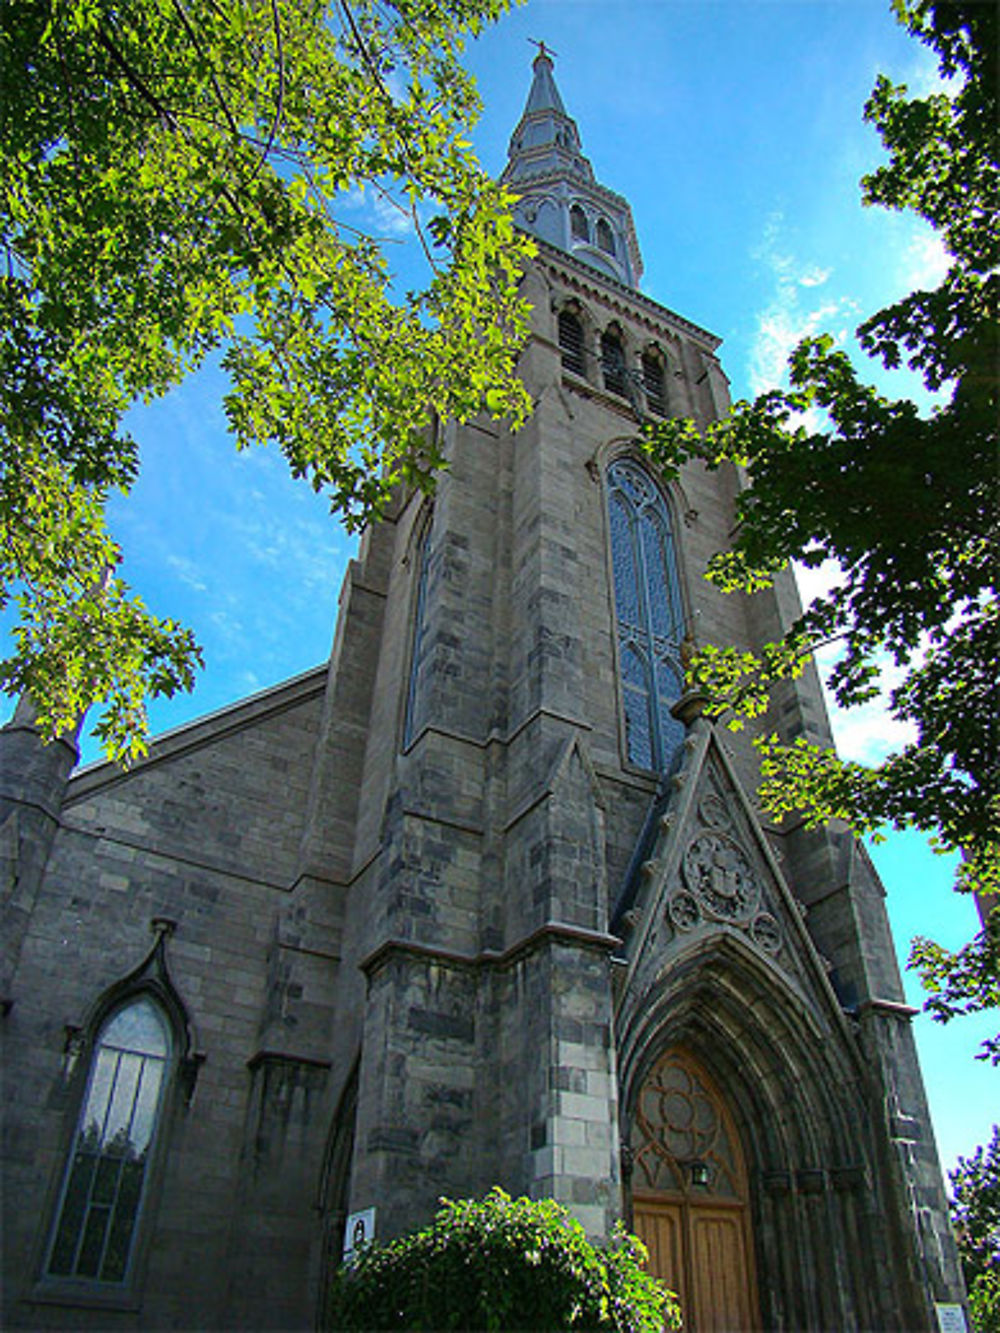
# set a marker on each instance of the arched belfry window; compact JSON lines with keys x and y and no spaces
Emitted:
{"x":578,"y":226}
{"x":613,"y":362}
{"x":571,"y":342}
{"x":649,"y":613}
{"x":107,"y":1174}
{"x":654,"y":383}
{"x":605,"y":237}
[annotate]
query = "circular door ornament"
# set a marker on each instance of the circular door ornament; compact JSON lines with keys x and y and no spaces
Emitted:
{"x":766,"y":932}
{"x":683,"y":911}
{"x":720,"y":875}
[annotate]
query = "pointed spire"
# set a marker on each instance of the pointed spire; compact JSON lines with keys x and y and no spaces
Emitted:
{"x":546,"y":139}
{"x":560,"y":200}
{"x":544,"y":95}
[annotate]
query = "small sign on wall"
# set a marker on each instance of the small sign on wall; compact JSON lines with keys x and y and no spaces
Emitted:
{"x":360,"y":1229}
{"x":951,"y":1318}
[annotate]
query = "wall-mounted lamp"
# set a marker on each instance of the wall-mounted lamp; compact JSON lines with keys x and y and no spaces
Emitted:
{"x":700,"y":1173}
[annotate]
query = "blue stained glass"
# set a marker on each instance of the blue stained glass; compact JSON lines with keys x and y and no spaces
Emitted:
{"x":636,"y":695}
{"x":654,"y":550}
{"x":623,"y":559}
{"x":669,"y":688}
{"x":419,"y":645}
{"x":649,"y":613}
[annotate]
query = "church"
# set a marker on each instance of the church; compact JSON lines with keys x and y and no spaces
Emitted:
{"x":484,"y":899}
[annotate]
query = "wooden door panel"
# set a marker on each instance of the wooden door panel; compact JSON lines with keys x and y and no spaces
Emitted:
{"x":660,"y":1230}
{"x":720,"y":1273}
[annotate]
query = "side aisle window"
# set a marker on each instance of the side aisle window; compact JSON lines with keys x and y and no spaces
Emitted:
{"x":419,"y":641}
{"x":107,"y":1174}
{"x":649,"y":613}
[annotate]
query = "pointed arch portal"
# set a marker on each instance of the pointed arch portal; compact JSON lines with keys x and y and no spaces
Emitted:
{"x":690,"y":1196}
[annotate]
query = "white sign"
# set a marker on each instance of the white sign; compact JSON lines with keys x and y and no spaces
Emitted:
{"x":360,"y":1229}
{"x":951,"y":1318}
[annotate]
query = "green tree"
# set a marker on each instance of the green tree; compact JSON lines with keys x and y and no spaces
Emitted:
{"x":975,"y":1212}
{"x":500,"y":1263}
{"x":175,"y":176}
{"x":907,"y":505}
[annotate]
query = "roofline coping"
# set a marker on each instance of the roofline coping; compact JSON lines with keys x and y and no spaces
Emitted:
{"x":189,"y":735}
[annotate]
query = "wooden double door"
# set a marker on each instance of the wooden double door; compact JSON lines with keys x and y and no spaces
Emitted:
{"x":701,"y":1251}
{"x":689,"y":1197}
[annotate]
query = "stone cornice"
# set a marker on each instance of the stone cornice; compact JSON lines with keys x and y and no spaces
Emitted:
{"x":553,"y":932}
{"x":625,"y":300}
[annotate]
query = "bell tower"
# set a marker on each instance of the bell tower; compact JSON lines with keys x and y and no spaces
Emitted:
{"x":592,"y":971}
{"x":560,"y":200}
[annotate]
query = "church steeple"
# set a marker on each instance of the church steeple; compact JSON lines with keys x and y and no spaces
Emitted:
{"x":560,"y":200}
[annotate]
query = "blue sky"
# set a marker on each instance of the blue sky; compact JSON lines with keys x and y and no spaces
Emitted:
{"x":734,"y":129}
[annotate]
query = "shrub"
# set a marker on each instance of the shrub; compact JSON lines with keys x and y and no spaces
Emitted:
{"x":500,"y":1263}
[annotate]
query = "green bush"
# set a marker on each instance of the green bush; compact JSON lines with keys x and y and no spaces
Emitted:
{"x":499,"y":1263}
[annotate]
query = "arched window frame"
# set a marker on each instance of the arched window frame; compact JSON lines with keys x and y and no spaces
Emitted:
{"x":418,"y":630}
{"x":108,"y":1086}
{"x":654,"y":381}
{"x":572,"y":333}
{"x":649,"y":614}
{"x":614,"y":361}
{"x":605,"y":237}
{"x":579,"y":224}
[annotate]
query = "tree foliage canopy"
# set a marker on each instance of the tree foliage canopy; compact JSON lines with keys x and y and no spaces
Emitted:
{"x":975,"y":1212}
{"x":499,"y":1263}
{"x":906,"y":505}
{"x":176,"y":177}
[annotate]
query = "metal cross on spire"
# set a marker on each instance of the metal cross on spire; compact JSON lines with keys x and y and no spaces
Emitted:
{"x":543,"y":50}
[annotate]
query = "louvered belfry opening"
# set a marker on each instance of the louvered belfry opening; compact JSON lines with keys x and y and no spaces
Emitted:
{"x":571,"y":342}
{"x":613,"y":362}
{"x":654,"y":383}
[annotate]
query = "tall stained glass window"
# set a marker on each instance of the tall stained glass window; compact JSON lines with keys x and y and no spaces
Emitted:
{"x":419,"y":643}
{"x":649,"y":614}
{"x":108,"y":1168}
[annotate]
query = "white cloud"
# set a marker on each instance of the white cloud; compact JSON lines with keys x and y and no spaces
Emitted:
{"x":868,"y":733}
{"x":393,"y":221}
{"x":924,"y":263}
{"x":187,"y":572}
{"x":791,"y":314}
{"x":780,"y":328}
{"x":377,"y":213}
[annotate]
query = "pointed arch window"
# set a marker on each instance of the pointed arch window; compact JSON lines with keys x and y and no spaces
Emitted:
{"x":605,"y":236}
{"x":571,"y":342}
{"x":613,"y":362}
{"x":578,"y":225}
{"x":419,"y":649}
{"x":654,"y":383}
{"x":649,"y":613}
{"x":107,"y":1174}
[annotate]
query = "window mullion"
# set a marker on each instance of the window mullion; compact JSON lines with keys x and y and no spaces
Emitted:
{"x":649,"y":643}
{"x":81,"y":1130}
{"x":113,"y":1205}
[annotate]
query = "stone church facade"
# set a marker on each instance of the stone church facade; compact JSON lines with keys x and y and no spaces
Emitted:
{"x":482,"y":900}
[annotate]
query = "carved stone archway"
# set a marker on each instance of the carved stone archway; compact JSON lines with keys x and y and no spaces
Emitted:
{"x":690,"y":1198}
